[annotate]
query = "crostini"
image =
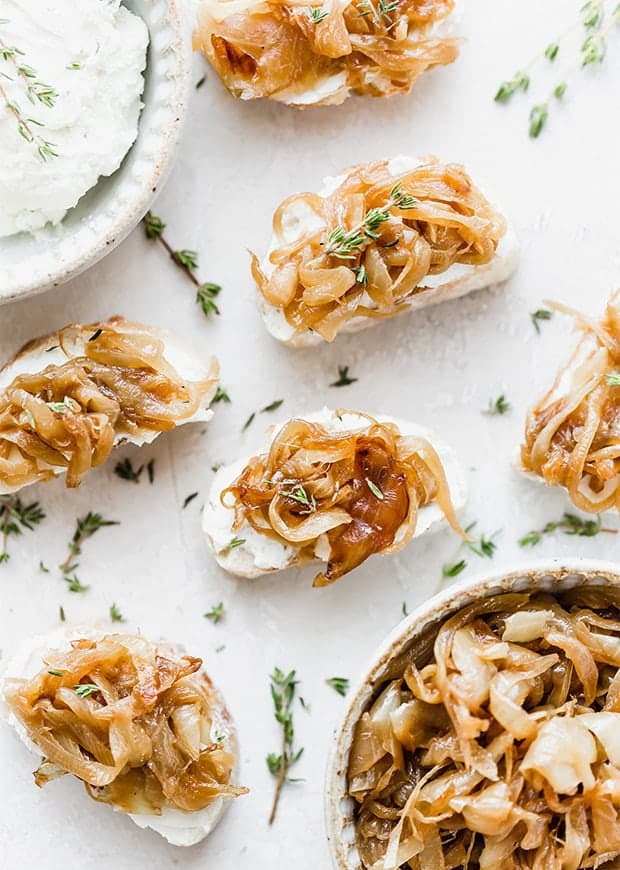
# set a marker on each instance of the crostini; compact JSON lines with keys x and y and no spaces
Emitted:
{"x":139,"y":723}
{"x":336,"y":487}
{"x":572,"y":438}
{"x":379,"y":240}
{"x":67,"y":399}
{"x":319,"y":53}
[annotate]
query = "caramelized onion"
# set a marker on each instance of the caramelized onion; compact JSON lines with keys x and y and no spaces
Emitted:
{"x":116,"y":383}
{"x":274,"y":48}
{"x":358,"y":491}
{"x":142,"y":739}
{"x":450,"y":222}
{"x":501,"y":768}
{"x":572,"y":435}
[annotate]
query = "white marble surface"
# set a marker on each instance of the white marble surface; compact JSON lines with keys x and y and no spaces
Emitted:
{"x":439,"y":368}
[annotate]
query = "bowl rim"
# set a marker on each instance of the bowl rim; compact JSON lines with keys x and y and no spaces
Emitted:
{"x":55,"y":270}
{"x":435,"y":609}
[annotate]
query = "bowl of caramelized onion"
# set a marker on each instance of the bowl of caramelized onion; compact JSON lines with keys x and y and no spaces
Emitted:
{"x":486,"y":732}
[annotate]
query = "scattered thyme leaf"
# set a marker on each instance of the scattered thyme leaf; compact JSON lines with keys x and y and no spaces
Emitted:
{"x":61,"y":614}
{"x":344,"y":379}
{"x":125,"y":470}
{"x":538,"y":119}
{"x":299,"y":494}
{"x":339,"y":684}
{"x":221,"y":395}
{"x":85,"y":690}
{"x":190,"y":498}
{"x":56,"y":673}
{"x":235,"y":542}
{"x":85,"y":528}
{"x":216,"y":614}
{"x":43,"y":568}
{"x":404,"y":609}
{"x":150,"y":470}
{"x":374,"y":489}
{"x":613,"y":379}
{"x":454,"y":569}
{"x":273,"y":406}
{"x":248,"y":422}
{"x":497,"y":406}
{"x":115,"y":614}
{"x":539,"y":315}
{"x":201,"y":82}
{"x":95,"y":335}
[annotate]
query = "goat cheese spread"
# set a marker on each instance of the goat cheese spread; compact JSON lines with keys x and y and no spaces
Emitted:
{"x":70,"y":99}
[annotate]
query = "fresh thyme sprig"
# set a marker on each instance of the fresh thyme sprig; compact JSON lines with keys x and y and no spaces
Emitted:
{"x":15,"y":516}
{"x":613,"y":379}
{"x":283,"y":689}
{"x":539,"y":315}
{"x":598,"y":23}
{"x":484,"y":547}
{"x":85,"y":528}
{"x":36,"y":91}
{"x":344,"y":379}
{"x":570,"y":524}
{"x":347,"y":244}
{"x":186,"y":260}
{"x":339,"y":684}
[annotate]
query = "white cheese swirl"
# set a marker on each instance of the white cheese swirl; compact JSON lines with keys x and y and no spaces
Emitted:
{"x":91,"y":55}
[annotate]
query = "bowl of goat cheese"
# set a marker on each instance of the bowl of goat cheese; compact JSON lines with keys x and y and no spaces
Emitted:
{"x":93,"y":97}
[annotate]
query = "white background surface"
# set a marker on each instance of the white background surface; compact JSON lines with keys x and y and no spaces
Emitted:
{"x":439,"y":368}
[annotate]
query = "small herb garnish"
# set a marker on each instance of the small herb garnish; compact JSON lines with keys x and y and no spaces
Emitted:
{"x":497,"y":406}
{"x":190,"y":498}
{"x":56,"y":673}
{"x":186,"y":260}
{"x":316,"y":14}
{"x":115,"y":614}
{"x":404,"y":609}
{"x":570,"y":524}
{"x":538,"y":315}
{"x":221,"y":395}
{"x":374,"y":489}
{"x":43,"y":568}
{"x":150,"y":470}
{"x":61,"y":614}
{"x":15,"y":516}
{"x":339,"y":684}
{"x":95,"y":335}
{"x":85,"y":690}
{"x":125,"y":470}
{"x":613,"y":379}
{"x":216,"y":614}
{"x":201,"y":82}
{"x":248,"y":422}
{"x":235,"y":542}
{"x":484,"y":547}
{"x":343,"y":378}
{"x":273,"y":406}
{"x":283,"y":688}
{"x":299,"y":494}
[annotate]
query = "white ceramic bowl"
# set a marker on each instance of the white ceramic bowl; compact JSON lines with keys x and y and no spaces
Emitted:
{"x":108,"y":212}
{"x":551,"y":575}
